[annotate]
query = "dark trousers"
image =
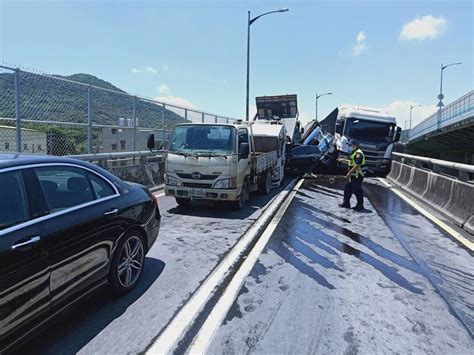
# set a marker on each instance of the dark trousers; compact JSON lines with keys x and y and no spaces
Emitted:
{"x":354,"y":186}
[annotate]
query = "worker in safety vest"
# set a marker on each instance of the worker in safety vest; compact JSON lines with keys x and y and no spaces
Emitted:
{"x":355,"y":176}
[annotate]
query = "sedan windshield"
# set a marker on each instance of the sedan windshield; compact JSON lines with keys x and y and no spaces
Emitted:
{"x":203,"y":139}
{"x":369,"y":131}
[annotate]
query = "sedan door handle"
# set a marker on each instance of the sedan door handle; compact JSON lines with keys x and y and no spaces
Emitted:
{"x":111,"y":212}
{"x":31,"y":241}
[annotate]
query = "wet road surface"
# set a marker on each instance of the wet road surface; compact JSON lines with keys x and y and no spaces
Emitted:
{"x":337,"y":281}
{"x":190,"y":244}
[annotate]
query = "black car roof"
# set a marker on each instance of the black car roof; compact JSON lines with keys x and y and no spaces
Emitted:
{"x":9,"y":160}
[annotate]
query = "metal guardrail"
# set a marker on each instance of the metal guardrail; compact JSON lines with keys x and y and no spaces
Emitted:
{"x":454,"y":112}
{"x":463,"y":172}
{"x":106,"y":160}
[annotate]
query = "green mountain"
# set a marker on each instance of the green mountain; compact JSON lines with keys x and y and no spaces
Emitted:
{"x":60,"y":102}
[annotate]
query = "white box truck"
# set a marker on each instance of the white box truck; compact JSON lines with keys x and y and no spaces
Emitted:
{"x":224,"y":162}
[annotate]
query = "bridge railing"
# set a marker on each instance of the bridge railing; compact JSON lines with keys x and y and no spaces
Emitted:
{"x":51,"y":114}
{"x":452,"y":113}
{"x":463,"y":172}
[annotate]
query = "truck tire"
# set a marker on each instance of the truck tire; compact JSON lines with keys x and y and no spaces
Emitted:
{"x":183,"y":202}
{"x":266,"y":185}
{"x":244,"y":196}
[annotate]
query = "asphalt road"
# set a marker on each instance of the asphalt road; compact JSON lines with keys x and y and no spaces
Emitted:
{"x":190,"y":244}
{"x":336,"y":281}
{"x":328,"y":281}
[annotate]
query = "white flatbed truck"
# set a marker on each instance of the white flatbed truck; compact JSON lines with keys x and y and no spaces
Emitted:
{"x":223,"y":162}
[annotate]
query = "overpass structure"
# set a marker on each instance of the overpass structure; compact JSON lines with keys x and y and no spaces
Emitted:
{"x":447,"y":134}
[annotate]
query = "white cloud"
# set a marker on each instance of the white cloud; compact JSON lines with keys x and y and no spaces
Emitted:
{"x":174,"y":100}
{"x":360,"y":45}
{"x":164,"y":89}
{"x":401,"y":110}
{"x":147,"y":70}
{"x":421,"y":28}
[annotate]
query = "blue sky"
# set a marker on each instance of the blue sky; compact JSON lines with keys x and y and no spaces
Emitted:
{"x":374,"y":53}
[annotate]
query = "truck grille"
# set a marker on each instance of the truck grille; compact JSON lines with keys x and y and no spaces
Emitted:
{"x":203,"y":177}
{"x":197,"y":184}
{"x":372,"y":157}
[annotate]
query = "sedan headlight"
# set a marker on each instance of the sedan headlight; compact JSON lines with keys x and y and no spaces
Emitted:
{"x":172,"y":181}
{"x":223,"y":184}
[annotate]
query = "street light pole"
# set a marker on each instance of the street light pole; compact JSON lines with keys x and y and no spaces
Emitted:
{"x":249,"y":22}
{"x":411,"y":108}
{"x":317,"y":97}
{"x":441,"y":96}
{"x":248,"y":69}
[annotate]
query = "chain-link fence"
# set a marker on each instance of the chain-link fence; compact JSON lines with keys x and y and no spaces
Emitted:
{"x":81,"y":114}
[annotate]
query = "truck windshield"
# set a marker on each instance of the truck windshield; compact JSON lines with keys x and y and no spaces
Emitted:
{"x":369,"y":131}
{"x":202,"y":139}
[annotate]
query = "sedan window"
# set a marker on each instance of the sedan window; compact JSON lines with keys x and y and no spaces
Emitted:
{"x":101,"y":187}
{"x":13,"y":205}
{"x":64,"y":187}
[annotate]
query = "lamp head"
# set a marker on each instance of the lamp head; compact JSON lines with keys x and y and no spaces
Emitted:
{"x":284,"y":10}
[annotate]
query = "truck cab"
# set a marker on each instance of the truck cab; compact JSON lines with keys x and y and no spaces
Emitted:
{"x":375,"y":129}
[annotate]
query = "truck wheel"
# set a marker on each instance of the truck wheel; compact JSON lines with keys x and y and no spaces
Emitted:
{"x":266,"y":185}
{"x":183,"y":202}
{"x":244,"y":196}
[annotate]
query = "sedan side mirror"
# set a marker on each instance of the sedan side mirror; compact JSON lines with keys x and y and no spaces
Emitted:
{"x":150,"y":143}
{"x":244,"y":150}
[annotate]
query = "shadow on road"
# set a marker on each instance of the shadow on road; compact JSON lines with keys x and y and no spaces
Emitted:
{"x":224,"y":210}
{"x":79,"y":325}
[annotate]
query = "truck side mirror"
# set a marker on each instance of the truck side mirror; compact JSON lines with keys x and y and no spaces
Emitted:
{"x":244,"y":150}
{"x":302,"y":130}
{"x":150,"y":143}
{"x":398,"y":134}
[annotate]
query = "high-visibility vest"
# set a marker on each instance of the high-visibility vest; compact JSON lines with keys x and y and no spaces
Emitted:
{"x":358,"y":171}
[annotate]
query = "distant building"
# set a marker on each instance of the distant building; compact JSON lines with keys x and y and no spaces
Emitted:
{"x":32,"y":141}
{"x":120,"y":139}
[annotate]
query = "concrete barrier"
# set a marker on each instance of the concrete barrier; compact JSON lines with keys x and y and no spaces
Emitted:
{"x":395,"y":170}
{"x":149,"y":174}
{"x":405,"y":175}
{"x":451,"y":197}
{"x":438,"y":191}
{"x":418,"y":184}
{"x":469,"y":225}
{"x":460,"y":206}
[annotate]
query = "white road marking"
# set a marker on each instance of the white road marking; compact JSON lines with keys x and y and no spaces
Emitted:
{"x":215,"y":318}
{"x":453,"y":233}
{"x":167,"y":341}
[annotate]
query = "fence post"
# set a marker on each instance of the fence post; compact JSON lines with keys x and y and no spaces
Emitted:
{"x":185,"y":115}
{"x":89,"y":120}
{"x":203,"y":117}
{"x":215,"y":119}
{"x":163,"y":123}
{"x":227,"y":120}
{"x":17,"y":110}
{"x":134,"y":132}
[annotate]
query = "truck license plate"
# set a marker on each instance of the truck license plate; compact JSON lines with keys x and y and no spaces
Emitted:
{"x":196,"y":192}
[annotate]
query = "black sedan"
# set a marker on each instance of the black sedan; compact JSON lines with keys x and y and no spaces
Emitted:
{"x":303,"y":159}
{"x":66,"y":228}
